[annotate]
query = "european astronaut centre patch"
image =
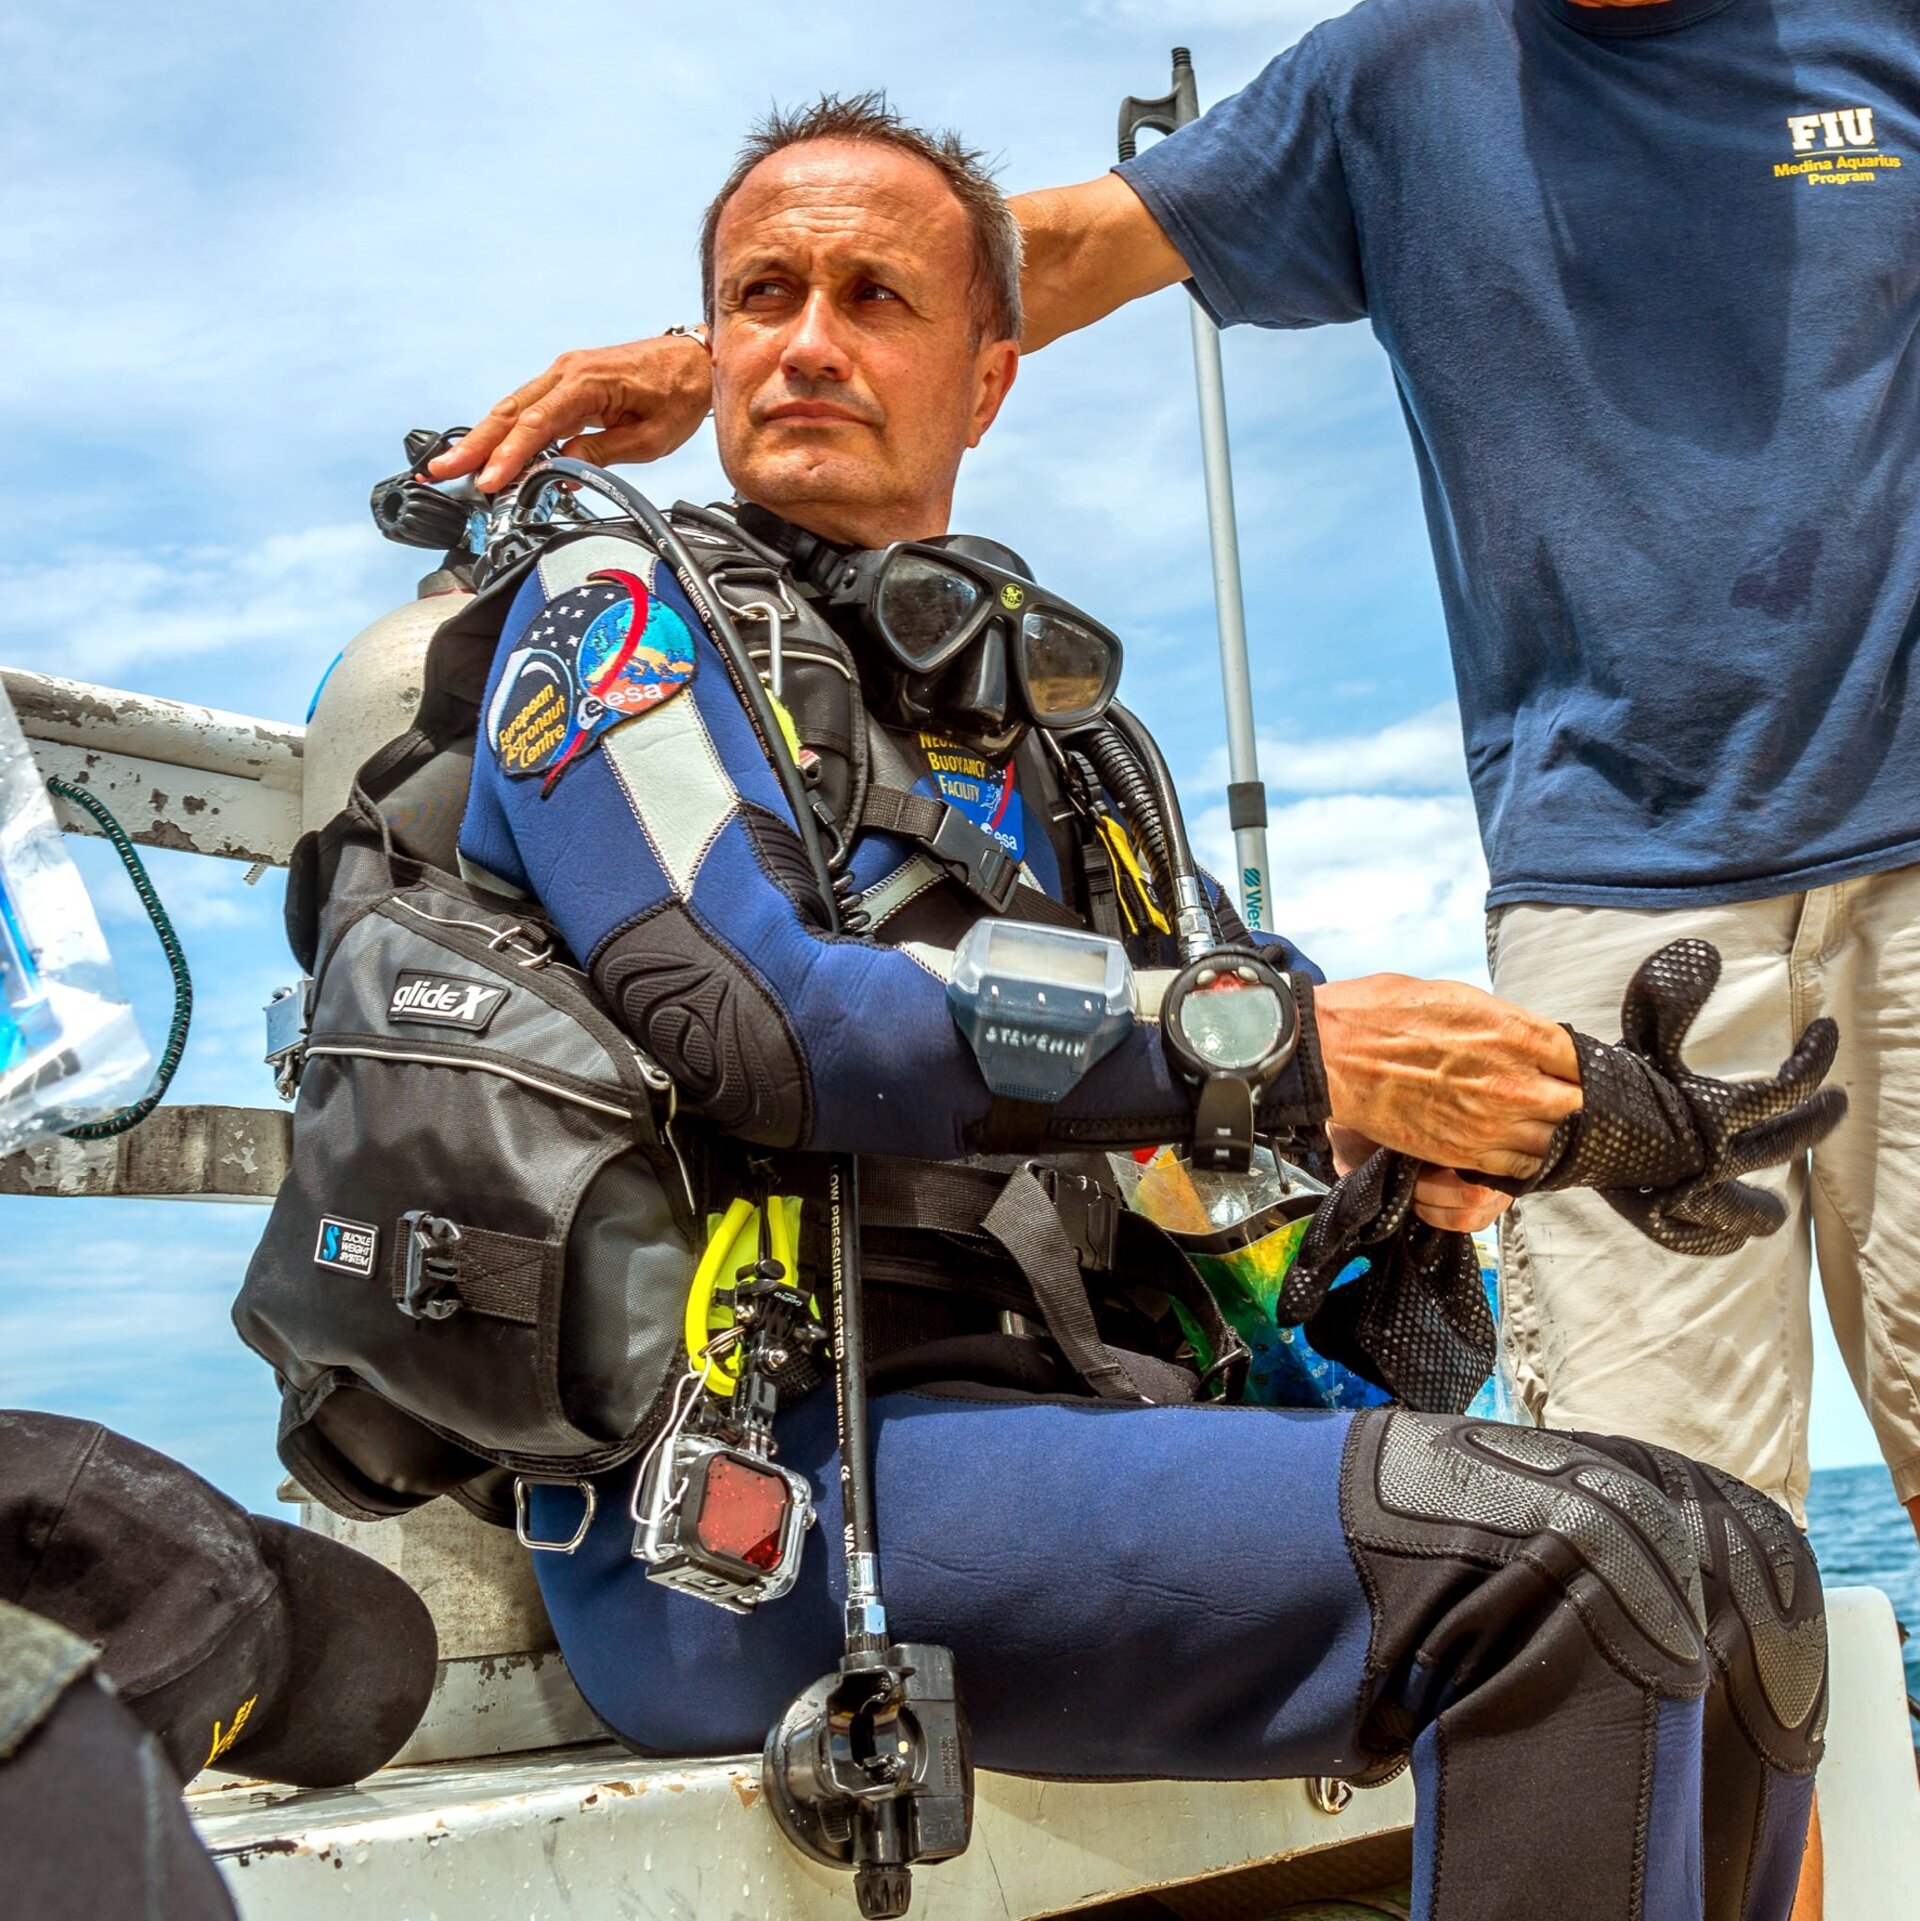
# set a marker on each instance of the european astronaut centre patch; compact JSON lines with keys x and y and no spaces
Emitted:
{"x":603,"y":652}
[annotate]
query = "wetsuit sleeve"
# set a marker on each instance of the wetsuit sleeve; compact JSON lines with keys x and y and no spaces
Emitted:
{"x":655,"y":834}
{"x":1255,"y":197}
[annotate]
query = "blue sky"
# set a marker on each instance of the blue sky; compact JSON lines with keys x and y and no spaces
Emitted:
{"x":244,"y":247}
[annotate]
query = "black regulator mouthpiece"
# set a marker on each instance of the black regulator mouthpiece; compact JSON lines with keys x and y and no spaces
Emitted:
{"x":423,"y":513}
{"x":872,"y":1769}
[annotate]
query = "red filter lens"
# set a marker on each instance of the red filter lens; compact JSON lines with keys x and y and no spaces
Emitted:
{"x":743,"y":1512}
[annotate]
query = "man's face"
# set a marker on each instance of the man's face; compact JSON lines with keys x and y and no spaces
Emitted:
{"x":847,"y":382}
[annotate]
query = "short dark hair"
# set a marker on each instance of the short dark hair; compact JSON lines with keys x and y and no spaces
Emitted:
{"x":994,"y":290}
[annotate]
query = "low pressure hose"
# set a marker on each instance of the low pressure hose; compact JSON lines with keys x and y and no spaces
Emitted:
{"x":1194,"y":925}
{"x":1126,"y":780}
{"x":718,"y":619}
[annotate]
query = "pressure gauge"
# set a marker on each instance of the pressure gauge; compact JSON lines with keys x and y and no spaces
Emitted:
{"x":1229,"y":1023}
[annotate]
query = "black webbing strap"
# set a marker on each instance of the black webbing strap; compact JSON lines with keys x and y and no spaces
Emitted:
{"x":435,"y":1273}
{"x":1027,"y":1224}
{"x":986,"y":1206}
{"x":1146,"y":1253}
{"x":969,"y":853}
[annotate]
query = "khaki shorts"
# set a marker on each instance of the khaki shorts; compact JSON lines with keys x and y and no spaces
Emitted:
{"x":1603,"y":1330}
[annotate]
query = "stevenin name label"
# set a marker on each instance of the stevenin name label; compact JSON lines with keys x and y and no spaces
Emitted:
{"x":349,"y":1246}
{"x":444,"y":1000}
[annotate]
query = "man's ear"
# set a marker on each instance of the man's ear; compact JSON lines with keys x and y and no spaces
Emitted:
{"x":994,"y":368}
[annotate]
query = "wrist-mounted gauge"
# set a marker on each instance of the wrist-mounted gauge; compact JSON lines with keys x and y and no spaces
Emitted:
{"x":1229,"y":1024}
{"x":1039,"y":1006}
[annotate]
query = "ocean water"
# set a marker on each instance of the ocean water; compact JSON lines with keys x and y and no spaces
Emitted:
{"x":1863,"y":1538}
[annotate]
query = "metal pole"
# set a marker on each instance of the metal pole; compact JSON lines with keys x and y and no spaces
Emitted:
{"x":1246,"y":795}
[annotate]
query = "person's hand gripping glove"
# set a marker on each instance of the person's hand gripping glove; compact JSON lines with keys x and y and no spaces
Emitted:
{"x":1666,"y":1147}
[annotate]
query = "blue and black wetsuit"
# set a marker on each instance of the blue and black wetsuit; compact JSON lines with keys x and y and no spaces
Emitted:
{"x":1606,"y":1663}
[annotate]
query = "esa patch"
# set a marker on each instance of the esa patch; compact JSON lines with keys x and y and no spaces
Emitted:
{"x":603,"y":652}
{"x":987,"y":795}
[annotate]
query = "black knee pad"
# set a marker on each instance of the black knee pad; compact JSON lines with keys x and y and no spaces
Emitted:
{"x":1483,"y":1545}
{"x":1765,"y":1610}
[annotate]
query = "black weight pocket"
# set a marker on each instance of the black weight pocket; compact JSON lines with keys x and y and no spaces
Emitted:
{"x":481,"y":1228}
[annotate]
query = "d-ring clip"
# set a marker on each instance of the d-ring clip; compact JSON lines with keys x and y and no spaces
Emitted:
{"x":523,"y":1534}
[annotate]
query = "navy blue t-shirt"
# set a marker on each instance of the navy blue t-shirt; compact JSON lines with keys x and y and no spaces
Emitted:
{"x":1649,"y":278}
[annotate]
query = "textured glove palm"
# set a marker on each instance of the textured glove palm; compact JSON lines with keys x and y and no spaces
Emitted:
{"x":1416,"y":1322}
{"x":1666,"y":1147}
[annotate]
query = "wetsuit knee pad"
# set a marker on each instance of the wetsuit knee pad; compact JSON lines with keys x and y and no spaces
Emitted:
{"x":1477,"y":1541}
{"x":1766,"y":1618}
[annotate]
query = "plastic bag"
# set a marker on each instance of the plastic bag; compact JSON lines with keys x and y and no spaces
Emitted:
{"x":1242,"y":1232}
{"x":69,"y":1046}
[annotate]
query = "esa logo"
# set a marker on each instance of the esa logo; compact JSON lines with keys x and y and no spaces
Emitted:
{"x":347,"y":1246}
{"x":444,"y":1000}
{"x":1827,"y":132}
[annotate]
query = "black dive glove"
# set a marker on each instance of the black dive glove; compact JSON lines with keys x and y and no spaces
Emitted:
{"x":1667,"y":1147}
{"x":1417,"y":1322}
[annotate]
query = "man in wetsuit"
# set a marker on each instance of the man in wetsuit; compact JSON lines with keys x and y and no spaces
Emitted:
{"x":1606,"y":1664}
{"x":1648,"y":274}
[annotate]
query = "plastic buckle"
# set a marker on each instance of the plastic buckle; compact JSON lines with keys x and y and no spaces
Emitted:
{"x":1226,"y":1379}
{"x":975,"y":858}
{"x":287,"y":1016}
{"x":430,"y":1283}
{"x":1088,"y":1212}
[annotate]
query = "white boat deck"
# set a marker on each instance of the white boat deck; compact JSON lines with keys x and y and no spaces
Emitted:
{"x":592,"y":1834}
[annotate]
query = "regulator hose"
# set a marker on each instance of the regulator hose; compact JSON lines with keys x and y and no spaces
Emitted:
{"x":130,"y":1117}
{"x":1126,"y":780}
{"x":1196,"y":926}
{"x":1134,"y":771}
{"x":718,"y":619}
{"x":1146,"y":750}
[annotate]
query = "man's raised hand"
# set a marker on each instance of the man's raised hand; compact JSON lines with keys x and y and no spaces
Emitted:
{"x":644,"y":398}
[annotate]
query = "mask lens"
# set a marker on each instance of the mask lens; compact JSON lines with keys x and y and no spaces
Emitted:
{"x":1067,"y":667}
{"x":921,"y":606}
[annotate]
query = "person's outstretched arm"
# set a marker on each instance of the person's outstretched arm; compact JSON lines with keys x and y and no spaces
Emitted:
{"x":1089,"y":249}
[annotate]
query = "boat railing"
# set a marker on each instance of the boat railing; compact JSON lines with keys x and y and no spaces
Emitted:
{"x":192,"y":780}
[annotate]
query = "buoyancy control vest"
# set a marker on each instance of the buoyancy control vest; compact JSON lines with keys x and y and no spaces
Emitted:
{"x":478,"y":1266}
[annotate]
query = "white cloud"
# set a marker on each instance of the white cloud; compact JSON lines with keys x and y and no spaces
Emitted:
{"x":1376,"y":868}
{"x":1372,"y":883}
{"x":94,"y":612}
{"x":1418,"y":755}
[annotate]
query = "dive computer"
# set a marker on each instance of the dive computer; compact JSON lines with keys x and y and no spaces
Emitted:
{"x":1039,"y":1006}
{"x":1229,"y":1023}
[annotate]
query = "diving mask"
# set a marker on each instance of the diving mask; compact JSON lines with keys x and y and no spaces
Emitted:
{"x":929,"y":602}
